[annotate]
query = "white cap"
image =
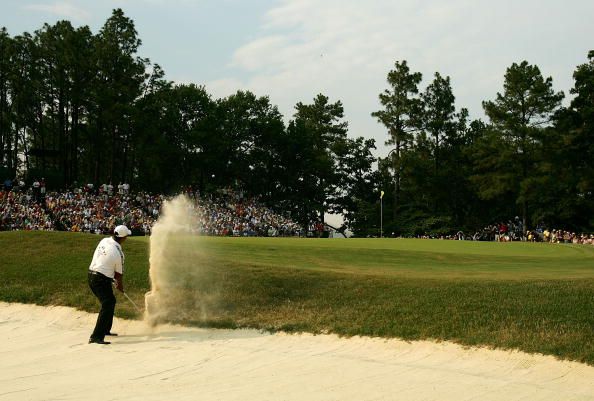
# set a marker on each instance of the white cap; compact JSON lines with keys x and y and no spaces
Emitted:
{"x":121,"y":231}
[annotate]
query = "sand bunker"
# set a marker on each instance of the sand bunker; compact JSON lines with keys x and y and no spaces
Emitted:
{"x":44,"y":356}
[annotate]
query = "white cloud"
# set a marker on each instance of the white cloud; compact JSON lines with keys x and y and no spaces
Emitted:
{"x":224,"y":87}
{"x":344,"y":48}
{"x":62,"y":9}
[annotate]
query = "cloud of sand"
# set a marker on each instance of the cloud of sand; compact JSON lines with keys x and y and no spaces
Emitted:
{"x":177,"y":274}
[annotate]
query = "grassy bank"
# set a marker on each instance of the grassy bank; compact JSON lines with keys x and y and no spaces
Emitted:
{"x":533,"y":297}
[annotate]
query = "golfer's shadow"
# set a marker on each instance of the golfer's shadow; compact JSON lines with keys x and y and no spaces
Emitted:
{"x":187,"y":335}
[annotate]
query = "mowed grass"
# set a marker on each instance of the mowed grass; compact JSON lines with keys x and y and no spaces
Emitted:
{"x":532,"y":297}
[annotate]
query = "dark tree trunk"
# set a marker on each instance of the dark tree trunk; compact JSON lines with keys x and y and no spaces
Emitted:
{"x":74,"y":145}
{"x":63,"y":163}
{"x":397,"y":174}
{"x":3,"y":122}
{"x":10,"y":148}
{"x":97,"y":151}
{"x":42,"y":138}
{"x":113,"y":153}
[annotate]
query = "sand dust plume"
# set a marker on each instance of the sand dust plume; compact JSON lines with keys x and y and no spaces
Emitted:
{"x":176,"y":267}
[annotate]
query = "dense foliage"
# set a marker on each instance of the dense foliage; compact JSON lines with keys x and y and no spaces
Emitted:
{"x":79,"y":107}
{"x":533,"y":158}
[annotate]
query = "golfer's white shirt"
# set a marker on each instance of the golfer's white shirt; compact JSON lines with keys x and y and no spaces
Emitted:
{"x":108,"y":258}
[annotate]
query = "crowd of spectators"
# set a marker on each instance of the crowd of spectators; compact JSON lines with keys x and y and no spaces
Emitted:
{"x":513,"y":230}
{"x":560,"y":237}
{"x":98,"y":210}
{"x":18,"y":211}
{"x":230,"y":212}
{"x":83,"y":210}
{"x":552,"y":236}
{"x":224,"y":213}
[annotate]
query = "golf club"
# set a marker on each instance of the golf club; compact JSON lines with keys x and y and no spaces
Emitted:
{"x":132,"y":302}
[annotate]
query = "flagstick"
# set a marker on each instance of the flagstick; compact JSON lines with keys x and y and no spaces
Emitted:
{"x":381,"y":217}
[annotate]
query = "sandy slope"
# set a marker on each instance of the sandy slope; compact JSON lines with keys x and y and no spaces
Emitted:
{"x":44,"y":356}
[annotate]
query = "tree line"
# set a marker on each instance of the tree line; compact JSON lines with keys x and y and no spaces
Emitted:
{"x":533,"y":158}
{"x":79,"y":107}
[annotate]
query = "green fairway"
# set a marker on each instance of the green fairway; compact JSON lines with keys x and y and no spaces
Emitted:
{"x":533,"y":297}
{"x":411,"y":258}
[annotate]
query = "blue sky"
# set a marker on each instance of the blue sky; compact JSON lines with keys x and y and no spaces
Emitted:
{"x":292,"y":50}
{"x":178,"y":35}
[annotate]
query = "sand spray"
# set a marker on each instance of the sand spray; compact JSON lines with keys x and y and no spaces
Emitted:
{"x":179,"y":291}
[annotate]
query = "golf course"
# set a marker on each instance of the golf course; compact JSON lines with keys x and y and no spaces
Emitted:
{"x":537,"y":298}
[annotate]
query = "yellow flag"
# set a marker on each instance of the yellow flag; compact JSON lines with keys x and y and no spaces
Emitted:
{"x":382,"y":195}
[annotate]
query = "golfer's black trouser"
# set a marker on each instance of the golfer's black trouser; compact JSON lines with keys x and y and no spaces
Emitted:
{"x":101,"y":287}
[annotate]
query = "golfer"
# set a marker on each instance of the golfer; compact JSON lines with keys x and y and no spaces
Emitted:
{"x":107,"y":267}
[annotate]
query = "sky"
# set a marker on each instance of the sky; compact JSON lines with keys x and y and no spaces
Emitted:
{"x":291,"y":50}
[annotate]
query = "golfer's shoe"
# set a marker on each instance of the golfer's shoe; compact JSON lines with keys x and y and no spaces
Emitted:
{"x":97,"y":341}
